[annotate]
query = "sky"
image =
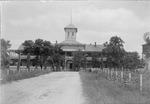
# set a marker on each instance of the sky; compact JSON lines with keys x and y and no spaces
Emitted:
{"x":97,"y":21}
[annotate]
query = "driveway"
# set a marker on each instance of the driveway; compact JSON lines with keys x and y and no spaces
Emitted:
{"x":53,"y":88}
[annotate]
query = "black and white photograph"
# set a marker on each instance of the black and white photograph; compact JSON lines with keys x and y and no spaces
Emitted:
{"x":75,"y":52}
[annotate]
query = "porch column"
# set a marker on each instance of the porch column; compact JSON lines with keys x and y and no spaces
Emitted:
{"x":65,"y":61}
{"x":19,"y":59}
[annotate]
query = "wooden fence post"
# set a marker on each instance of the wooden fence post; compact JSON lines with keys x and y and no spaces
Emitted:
{"x":116,"y":73}
{"x":111,"y":74}
{"x":141,"y":82}
{"x":121,"y":76}
{"x":129,"y":76}
{"x":108,"y":73}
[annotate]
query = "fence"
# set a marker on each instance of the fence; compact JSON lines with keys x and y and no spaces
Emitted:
{"x":132,"y":80}
{"x":13,"y":69}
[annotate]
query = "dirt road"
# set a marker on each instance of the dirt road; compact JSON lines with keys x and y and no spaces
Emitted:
{"x":53,"y":88}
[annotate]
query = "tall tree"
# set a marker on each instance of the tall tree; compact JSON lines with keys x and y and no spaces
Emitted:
{"x":5,"y":58}
{"x":38,"y":49}
{"x":114,"y":52}
{"x":47,"y":52}
{"x":57,"y":56}
{"x":28,"y":49}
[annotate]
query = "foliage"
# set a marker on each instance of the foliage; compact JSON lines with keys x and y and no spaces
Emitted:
{"x":28,"y":46}
{"x":114,"y":51}
{"x":57,"y":56}
{"x":5,"y":58}
{"x":132,"y":61}
{"x":78,"y":58}
{"x":38,"y":50}
{"x":28,"y":49}
{"x":42,"y":49}
{"x":95,"y":60}
{"x":47,"y":52}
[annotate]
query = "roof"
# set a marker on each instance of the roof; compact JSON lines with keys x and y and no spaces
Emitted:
{"x":93,"y":48}
{"x":70,"y":42}
{"x":70,"y":26}
{"x":21,"y":47}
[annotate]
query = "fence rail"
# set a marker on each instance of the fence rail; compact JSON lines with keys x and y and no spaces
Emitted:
{"x":13,"y":69}
{"x":135,"y":80}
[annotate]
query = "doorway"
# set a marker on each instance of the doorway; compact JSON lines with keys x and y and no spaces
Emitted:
{"x":69,"y":65}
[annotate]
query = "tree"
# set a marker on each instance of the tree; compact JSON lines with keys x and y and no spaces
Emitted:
{"x":28,"y":49}
{"x":57,"y":57}
{"x":95,"y":60}
{"x":47,"y":52}
{"x":114,"y":52}
{"x":132,"y":61}
{"x":5,"y":58}
{"x":78,"y":57}
{"x":38,"y":49}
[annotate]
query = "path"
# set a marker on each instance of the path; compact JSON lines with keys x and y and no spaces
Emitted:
{"x":53,"y":88}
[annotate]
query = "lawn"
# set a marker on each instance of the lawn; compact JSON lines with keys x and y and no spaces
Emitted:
{"x":98,"y":90}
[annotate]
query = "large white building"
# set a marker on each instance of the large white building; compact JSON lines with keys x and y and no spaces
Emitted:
{"x":71,"y":45}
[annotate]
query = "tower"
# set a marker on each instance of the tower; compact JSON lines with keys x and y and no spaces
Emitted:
{"x":70,"y":32}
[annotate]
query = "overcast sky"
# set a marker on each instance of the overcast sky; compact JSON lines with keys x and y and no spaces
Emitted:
{"x":97,"y":21}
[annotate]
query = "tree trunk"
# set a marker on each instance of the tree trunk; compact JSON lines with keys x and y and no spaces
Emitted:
{"x":36,"y":63}
{"x":45,"y":62}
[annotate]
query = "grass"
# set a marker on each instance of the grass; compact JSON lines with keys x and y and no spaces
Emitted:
{"x":99,"y":90}
{"x":22,"y":75}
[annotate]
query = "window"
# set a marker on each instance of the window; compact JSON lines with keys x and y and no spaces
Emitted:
{"x":68,"y":35}
{"x":72,"y":34}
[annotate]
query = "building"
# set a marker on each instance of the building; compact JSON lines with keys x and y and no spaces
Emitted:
{"x":69,"y":46}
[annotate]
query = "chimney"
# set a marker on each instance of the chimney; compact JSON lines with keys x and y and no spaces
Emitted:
{"x":95,"y":44}
{"x":56,"y":41}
